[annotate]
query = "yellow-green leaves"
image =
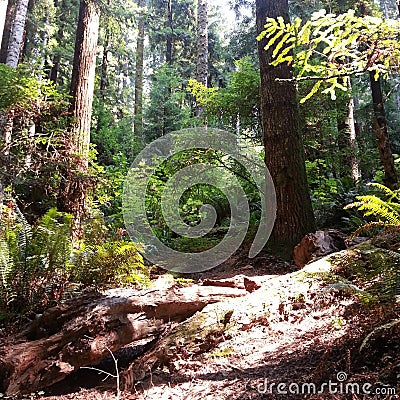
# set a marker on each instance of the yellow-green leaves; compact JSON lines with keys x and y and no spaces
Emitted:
{"x":329,"y":48}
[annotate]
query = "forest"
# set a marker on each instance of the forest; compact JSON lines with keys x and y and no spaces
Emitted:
{"x":199,"y":199}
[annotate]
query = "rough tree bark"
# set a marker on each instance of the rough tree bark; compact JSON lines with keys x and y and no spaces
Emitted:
{"x":72,"y":196}
{"x":77,"y":333}
{"x":284,"y":151}
{"x":138,"y":122}
{"x":202,"y":42}
{"x":381,"y":133}
{"x":17,"y":33}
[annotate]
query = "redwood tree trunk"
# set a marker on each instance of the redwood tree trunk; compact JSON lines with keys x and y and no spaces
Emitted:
{"x":17,"y":33}
{"x":284,"y":151}
{"x":74,"y":186}
{"x":138,"y":123}
{"x":381,"y":133}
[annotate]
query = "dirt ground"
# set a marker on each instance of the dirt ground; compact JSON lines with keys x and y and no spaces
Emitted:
{"x":292,"y":337}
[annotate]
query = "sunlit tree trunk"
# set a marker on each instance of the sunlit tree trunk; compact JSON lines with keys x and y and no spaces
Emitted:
{"x":17,"y":33}
{"x":202,"y":46}
{"x":74,"y":186}
{"x":284,"y":151}
{"x":347,"y":133}
{"x":138,"y":122}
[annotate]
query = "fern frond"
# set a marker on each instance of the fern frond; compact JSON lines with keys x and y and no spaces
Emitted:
{"x":389,"y":193}
{"x":373,"y":205}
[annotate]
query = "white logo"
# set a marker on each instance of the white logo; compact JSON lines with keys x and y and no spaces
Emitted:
{"x":146,"y":163}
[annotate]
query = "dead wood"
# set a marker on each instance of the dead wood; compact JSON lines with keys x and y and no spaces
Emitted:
{"x":78,"y":333}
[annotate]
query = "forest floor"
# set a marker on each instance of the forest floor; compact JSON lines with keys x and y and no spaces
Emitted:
{"x":294,"y":330}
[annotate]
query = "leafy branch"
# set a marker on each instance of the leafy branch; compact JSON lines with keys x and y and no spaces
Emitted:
{"x":328,"y":48}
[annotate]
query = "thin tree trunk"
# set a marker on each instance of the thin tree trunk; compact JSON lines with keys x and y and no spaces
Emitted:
{"x":284,"y":150}
{"x":381,"y":133}
{"x":202,"y":46}
{"x":53,"y":74}
{"x":353,"y":157}
{"x":17,"y":33}
{"x":202,"y":42}
{"x":104,"y":66}
{"x":138,"y":123}
{"x":5,"y":38}
{"x":74,"y":186}
{"x":347,"y":133}
{"x":168,"y":54}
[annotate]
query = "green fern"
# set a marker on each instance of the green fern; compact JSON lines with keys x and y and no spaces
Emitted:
{"x":32,"y":259}
{"x":386,"y":212}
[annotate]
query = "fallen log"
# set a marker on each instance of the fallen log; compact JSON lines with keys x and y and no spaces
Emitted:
{"x":80,"y":332}
{"x":198,"y":334}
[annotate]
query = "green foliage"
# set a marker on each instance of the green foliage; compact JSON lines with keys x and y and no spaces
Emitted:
{"x":197,"y":195}
{"x":166,"y":110}
{"x":370,"y":273}
{"x":33,"y":260}
{"x":19,"y":89}
{"x":108,"y":195}
{"x":385,"y":212}
{"x":109,"y":263}
{"x":329,"y":47}
{"x":238,"y":102}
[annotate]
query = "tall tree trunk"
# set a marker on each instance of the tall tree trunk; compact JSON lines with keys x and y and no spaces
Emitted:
{"x":83,"y":76}
{"x":104,"y":66}
{"x":347,"y":133}
{"x":381,"y":133}
{"x":25,"y":36}
{"x":5,"y":38}
{"x":73,"y":188}
{"x":284,"y":151}
{"x":202,"y":46}
{"x":202,"y":42}
{"x":17,"y":33}
{"x":138,"y":123}
{"x":168,"y":53}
